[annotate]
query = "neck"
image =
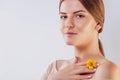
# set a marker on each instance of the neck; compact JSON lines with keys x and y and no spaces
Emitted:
{"x":91,"y":51}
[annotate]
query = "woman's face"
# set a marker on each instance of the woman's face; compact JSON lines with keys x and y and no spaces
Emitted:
{"x":77,"y":24}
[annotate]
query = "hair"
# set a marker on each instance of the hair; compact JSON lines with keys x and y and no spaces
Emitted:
{"x":96,"y":9}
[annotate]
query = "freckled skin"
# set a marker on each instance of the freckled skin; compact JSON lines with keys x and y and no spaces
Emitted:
{"x":82,"y":23}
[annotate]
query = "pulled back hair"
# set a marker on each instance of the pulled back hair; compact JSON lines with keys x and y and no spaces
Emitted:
{"x":96,"y":9}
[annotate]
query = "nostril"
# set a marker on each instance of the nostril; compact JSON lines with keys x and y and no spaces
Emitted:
{"x":69,"y":23}
{"x":70,"y":26}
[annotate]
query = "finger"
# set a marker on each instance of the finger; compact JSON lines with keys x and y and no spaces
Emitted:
{"x":81,"y":64}
{"x":86,"y":70}
{"x":79,"y":77}
{"x":75,"y":60}
{"x":83,"y":70}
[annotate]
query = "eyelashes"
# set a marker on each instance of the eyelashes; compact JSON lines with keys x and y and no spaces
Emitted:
{"x":63,"y":17}
{"x":78,"y":16}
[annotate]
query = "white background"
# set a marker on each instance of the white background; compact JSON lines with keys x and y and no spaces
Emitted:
{"x":30,"y":38}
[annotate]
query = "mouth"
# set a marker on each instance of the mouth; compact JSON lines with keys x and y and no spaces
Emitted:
{"x":70,"y":33}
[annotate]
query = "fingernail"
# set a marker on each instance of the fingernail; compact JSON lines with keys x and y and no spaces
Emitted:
{"x":98,"y":64}
{"x":89,"y":76}
{"x":95,"y":69}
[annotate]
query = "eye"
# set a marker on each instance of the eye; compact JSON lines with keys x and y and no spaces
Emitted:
{"x":80,"y":16}
{"x":63,"y":17}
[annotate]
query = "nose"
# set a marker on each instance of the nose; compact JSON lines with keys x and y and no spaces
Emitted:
{"x":69,"y":23}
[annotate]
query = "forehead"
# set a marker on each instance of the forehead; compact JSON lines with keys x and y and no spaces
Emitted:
{"x":71,"y":6}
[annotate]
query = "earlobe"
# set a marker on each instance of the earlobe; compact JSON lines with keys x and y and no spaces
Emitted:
{"x":98,"y":27}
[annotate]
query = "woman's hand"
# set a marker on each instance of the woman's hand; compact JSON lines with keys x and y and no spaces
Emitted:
{"x":74,"y":71}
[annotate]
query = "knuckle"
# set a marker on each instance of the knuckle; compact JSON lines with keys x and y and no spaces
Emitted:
{"x":73,"y":66}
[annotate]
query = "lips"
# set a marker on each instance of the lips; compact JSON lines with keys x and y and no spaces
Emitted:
{"x":70,"y":33}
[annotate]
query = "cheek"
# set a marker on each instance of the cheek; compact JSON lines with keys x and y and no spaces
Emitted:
{"x":80,"y":26}
{"x":85,"y":26}
{"x":81,"y":23}
{"x":61,"y":28}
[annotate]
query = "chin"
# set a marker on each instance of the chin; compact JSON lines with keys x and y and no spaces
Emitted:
{"x":69,"y":43}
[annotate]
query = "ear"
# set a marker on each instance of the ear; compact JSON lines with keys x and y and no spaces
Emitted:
{"x":98,"y":27}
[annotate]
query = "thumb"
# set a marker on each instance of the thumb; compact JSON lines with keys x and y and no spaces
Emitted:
{"x":75,"y":60}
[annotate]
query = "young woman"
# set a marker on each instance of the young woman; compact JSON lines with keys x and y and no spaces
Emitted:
{"x":81,"y":23}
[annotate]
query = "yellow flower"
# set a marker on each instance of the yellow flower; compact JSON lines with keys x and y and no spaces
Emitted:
{"x":91,"y":64}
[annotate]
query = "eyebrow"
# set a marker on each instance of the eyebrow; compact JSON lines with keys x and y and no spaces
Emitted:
{"x":73,"y":12}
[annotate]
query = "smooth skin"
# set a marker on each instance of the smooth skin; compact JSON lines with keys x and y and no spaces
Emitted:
{"x":73,"y":71}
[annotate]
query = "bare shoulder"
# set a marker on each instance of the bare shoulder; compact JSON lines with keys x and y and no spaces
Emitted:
{"x":61,"y":63}
{"x":108,"y":70}
{"x":52,"y":67}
